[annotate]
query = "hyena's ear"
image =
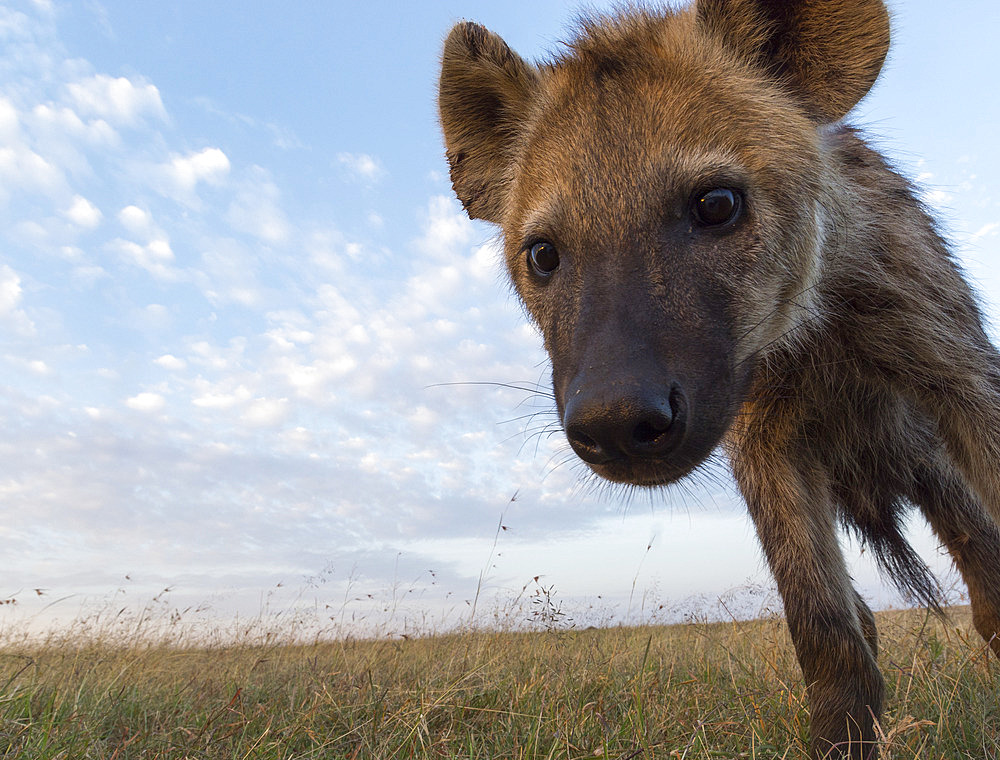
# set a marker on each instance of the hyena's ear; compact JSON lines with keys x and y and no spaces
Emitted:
{"x":483,"y":96}
{"x":828,"y":52}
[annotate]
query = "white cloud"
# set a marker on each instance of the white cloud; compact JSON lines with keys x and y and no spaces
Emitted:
{"x":10,"y":300}
{"x":485,"y":262}
{"x":23,"y":169}
{"x":362,"y":166}
{"x":313,"y":380}
{"x":159,"y":251}
{"x":10,"y":289}
{"x":9,"y":121}
{"x":986,"y":230}
{"x":39,"y":367}
{"x":13,"y":24}
{"x":291,"y":329}
{"x":229,"y":273}
{"x":213,"y":398}
{"x":155,"y":254}
{"x":216,"y":358}
{"x":87,"y":274}
{"x":155,"y":257}
{"x":170,"y":362}
{"x":155,"y":316}
{"x":264,"y":412}
{"x":256,"y":209}
{"x":447,"y":229}
{"x":146,"y":402}
{"x":34,"y":366}
{"x":83,"y":213}
{"x":183,"y":173}
{"x":330,"y":250}
{"x":135,"y":220}
{"x":424,"y":419}
{"x":116,"y":99}
{"x":55,"y":124}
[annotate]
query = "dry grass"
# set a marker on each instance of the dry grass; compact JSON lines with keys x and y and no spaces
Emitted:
{"x":719,"y":690}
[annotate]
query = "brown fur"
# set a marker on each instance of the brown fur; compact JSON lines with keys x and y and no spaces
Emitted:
{"x":823,"y":337}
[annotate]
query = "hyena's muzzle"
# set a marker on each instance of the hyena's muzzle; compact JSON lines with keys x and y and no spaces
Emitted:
{"x":645,"y":392}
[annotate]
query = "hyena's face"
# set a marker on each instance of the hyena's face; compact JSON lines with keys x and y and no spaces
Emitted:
{"x":656,"y":238}
{"x":659,"y":199}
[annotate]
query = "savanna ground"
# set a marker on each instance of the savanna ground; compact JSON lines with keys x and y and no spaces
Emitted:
{"x":689,"y":691}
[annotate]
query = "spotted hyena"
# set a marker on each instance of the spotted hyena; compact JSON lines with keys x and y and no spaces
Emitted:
{"x":715,"y":259}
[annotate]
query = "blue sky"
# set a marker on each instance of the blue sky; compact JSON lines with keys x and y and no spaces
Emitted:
{"x":233,"y":282}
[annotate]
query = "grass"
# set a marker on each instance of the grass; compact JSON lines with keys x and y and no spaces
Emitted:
{"x":691,"y":691}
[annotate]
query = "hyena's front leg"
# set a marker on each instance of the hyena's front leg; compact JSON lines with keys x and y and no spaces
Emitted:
{"x":954,"y":373}
{"x":969,"y":421}
{"x":972,"y":538}
{"x":834,"y":639}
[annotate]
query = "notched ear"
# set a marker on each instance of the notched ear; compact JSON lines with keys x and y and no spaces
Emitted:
{"x":828,"y":52}
{"x":484,"y":92}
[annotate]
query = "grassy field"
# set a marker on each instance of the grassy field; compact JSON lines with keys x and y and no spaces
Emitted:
{"x":719,"y":690}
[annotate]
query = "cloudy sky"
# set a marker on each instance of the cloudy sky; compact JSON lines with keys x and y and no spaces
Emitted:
{"x":244,"y":323}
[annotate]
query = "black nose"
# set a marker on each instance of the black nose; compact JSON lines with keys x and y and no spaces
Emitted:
{"x":645,"y":425}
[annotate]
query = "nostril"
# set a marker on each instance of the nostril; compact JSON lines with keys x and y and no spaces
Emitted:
{"x":582,"y":439}
{"x":649,"y":431}
{"x":676,"y":402}
{"x":588,"y":448}
{"x":641,"y":425}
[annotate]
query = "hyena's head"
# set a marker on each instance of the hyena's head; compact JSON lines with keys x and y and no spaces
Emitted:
{"x":660,"y":188}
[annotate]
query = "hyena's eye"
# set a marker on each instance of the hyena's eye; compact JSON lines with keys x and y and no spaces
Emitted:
{"x":543,"y":258}
{"x":718,"y":207}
